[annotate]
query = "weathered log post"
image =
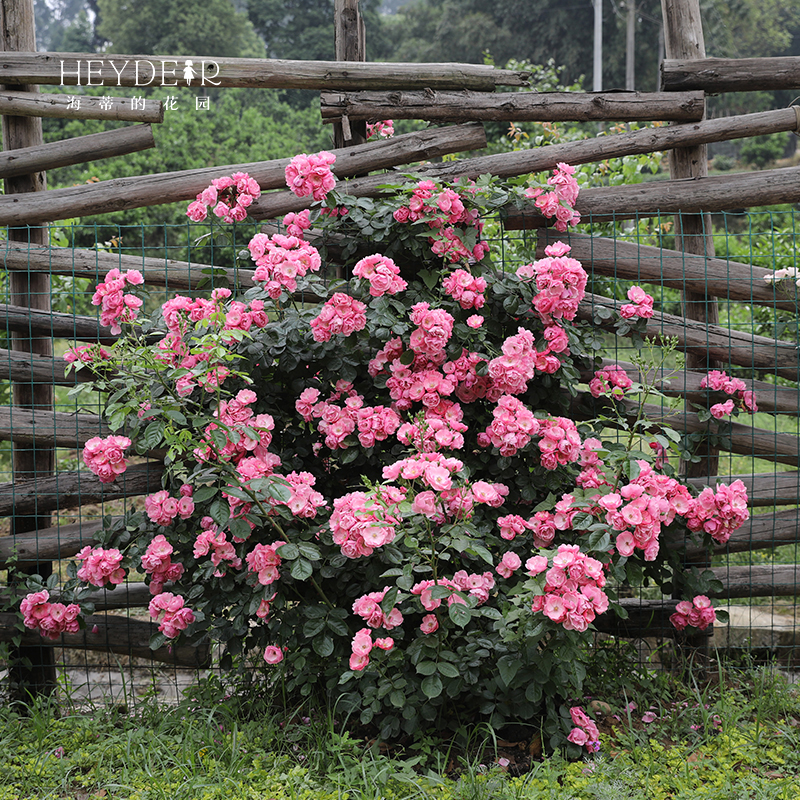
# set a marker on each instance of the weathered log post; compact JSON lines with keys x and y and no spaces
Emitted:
{"x":350,"y":43}
{"x":683,"y":37}
{"x":32,"y":665}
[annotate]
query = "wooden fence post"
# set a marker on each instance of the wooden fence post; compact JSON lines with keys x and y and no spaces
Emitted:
{"x":32,"y":668}
{"x":350,"y":42}
{"x":683,"y":38}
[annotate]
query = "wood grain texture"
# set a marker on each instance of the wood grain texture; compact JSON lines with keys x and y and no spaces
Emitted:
{"x":442,"y":106}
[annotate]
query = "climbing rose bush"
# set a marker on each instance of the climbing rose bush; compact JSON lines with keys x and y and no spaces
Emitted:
{"x":387,"y":500}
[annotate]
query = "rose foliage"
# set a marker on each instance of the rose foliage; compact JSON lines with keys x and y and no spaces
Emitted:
{"x":390,"y":497}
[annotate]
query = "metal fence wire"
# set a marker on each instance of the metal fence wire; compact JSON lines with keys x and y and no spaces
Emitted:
{"x":47,"y":517}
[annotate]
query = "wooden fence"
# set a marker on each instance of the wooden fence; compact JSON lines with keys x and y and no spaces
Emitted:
{"x":458,"y":93}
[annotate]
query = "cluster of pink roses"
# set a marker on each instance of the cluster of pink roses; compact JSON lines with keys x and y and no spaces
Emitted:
{"x":512,"y":428}
{"x":477,"y":585}
{"x":171,"y":613}
{"x":280,"y":260}
{"x":719,"y":381}
{"x":465,"y":289}
{"x":86,"y":354}
{"x":383,"y":128}
{"x":238,"y":421}
{"x":560,"y":442}
{"x":611,"y":380}
{"x":382,"y":274}
{"x":264,"y":560}
{"x":585,"y":733}
{"x":311,"y":175}
{"x":434,"y":329}
{"x":444,"y":212}
{"x":641,"y":304}
{"x":559,"y":202}
{"x":573,"y":591}
{"x":543,"y":524}
{"x":341,"y":315}
{"x":560,"y":283}
{"x":368,"y":607}
{"x":181,"y":313}
{"x":157,"y":563}
{"x":100,"y":566}
{"x":297,"y":222}
{"x":362,"y":645}
{"x":337,"y":422}
{"x":162,"y":508}
{"x":441,"y":427}
{"x":106,"y":457}
{"x":698,"y":613}
{"x":639,"y":509}
{"x":361,"y":522}
{"x":50,"y":619}
{"x":214,"y":541}
{"x":719,"y":513}
{"x":230,"y":198}
{"x":116,"y":307}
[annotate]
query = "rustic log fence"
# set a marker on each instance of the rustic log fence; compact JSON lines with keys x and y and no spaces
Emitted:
{"x":354,"y":92}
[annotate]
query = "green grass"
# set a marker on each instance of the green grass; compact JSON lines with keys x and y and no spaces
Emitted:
{"x":734,"y":737}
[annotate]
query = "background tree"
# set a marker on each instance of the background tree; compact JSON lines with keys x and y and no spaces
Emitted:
{"x":182,"y":27}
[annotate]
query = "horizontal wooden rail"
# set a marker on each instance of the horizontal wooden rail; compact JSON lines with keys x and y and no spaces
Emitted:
{"x":93,"y":147}
{"x":52,"y":323}
{"x":685,"y":271}
{"x":111,"y":70}
{"x":645,"y":618}
{"x":28,"y":104}
{"x":94,"y":265}
{"x":760,"y":532}
{"x":73,"y":489}
{"x":49,"y":428}
{"x":48,"y":544}
{"x":463,"y":106}
{"x":540,"y":159}
{"x":763,"y":488}
{"x":686,"y":383}
{"x":128,"y":637}
{"x":783,"y":448}
{"x":780,"y":580}
{"x":687,"y":196}
{"x":168,"y":187}
{"x":719,"y":343}
{"x":714,"y":75}
{"x":24,"y":367}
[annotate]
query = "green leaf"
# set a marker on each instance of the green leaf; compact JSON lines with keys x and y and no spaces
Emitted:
{"x":309,"y":551}
{"x":323,"y":645}
{"x":204,"y":493}
{"x":176,"y":416}
{"x":447,"y":669}
{"x":432,"y":686}
{"x":459,"y":614}
{"x":240,"y":529}
{"x":481,"y":551}
{"x":153,"y":434}
{"x":220,"y":512}
{"x":313,"y":627}
{"x":397,"y":698}
{"x":289,"y":551}
{"x":338,"y":626}
{"x":508,"y":666}
{"x":301,"y":569}
{"x":426,"y":667}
